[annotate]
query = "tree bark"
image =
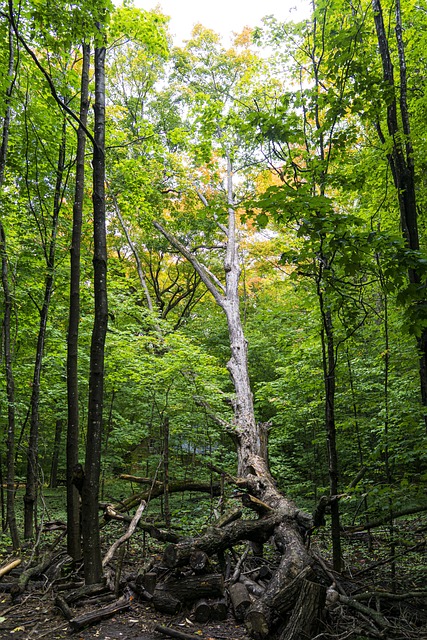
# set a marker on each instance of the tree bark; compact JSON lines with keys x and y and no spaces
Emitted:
{"x":329,"y":363}
{"x":166,"y":506}
{"x":90,"y":493}
{"x":73,"y":499}
{"x":53,"y":480}
{"x":307,"y":613}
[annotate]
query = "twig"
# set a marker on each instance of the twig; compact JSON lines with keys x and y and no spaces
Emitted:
{"x":375,"y":615}
{"x":236,"y":574}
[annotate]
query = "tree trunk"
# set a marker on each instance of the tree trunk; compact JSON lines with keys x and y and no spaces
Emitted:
{"x":253,"y":471}
{"x":10,"y":392}
{"x":401,"y":159}
{"x":73,"y":499}
{"x":10,"y":382}
{"x":90,"y":517}
{"x":30,"y":497}
{"x":53,"y":480}
{"x":329,"y":362}
{"x":166,"y":506}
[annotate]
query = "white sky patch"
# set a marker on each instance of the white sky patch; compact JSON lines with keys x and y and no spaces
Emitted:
{"x":224,"y":16}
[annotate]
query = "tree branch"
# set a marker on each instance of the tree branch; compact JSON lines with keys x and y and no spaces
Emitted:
{"x":38,"y":64}
{"x":209,"y":280}
{"x":133,"y":525}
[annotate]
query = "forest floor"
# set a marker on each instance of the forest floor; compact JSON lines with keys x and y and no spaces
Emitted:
{"x":34,"y":615}
{"x":37,"y":618}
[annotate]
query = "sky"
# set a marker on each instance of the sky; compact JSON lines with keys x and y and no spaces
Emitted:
{"x":224,"y":16}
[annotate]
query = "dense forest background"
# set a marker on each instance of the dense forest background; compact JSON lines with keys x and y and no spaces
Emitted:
{"x":316,"y":134}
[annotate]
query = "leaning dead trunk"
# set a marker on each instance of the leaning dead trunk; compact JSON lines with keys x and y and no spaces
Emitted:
{"x":253,"y":471}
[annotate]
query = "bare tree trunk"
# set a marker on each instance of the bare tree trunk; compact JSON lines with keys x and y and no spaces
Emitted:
{"x":90,"y":518}
{"x":73,"y":501}
{"x":30,"y":497}
{"x":253,"y":471}
{"x":10,"y":382}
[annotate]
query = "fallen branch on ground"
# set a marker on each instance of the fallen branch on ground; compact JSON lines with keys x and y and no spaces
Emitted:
{"x":10,"y":566}
{"x":112,"y":550}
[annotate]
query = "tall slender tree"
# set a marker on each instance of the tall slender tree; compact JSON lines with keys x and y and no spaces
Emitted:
{"x":8,"y":306}
{"x":73,"y":507}
{"x":90,"y":494}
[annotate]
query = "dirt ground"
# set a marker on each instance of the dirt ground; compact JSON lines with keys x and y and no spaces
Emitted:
{"x":37,"y":617}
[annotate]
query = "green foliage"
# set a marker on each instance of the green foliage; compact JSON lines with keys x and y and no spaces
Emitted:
{"x":318,"y":217}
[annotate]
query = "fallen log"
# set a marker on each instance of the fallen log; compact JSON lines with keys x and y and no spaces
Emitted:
{"x":191,"y":588}
{"x":148,"y":581}
{"x":96,"y":600}
{"x":219,"y":609}
{"x":86,"y":590}
{"x":228,"y":517}
{"x":202,"y":611}
{"x":63,"y":606}
{"x":216,"y":540}
{"x":67,"y":586}
{"x":11,"y":565}
{"x":173,"y":633}
{"x":166,"y":602}
{"x":99,"y":614}
{"x":141,"y":591}
{"x":256,"y":505}
{"x":285,"y":599}
{"x":253,"y":587}
{"x":30,"y":573}
{"x":110,"y":513}
{"x":409,"y":595}
{"x":173,"y":487}
{"x":385,"y":519}
{"x":260,"y":616}
{"x":240,"y":600}
{"x":140,"y":480}
{"x":376,"y":616}
{"x":306,"y":616}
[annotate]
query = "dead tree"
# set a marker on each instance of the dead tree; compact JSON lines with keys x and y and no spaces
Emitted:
{"x":253,"y":471}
